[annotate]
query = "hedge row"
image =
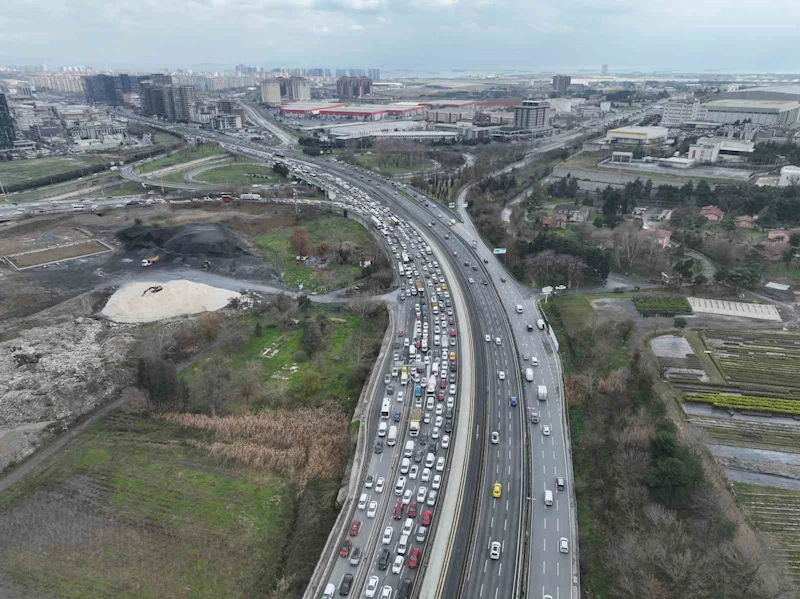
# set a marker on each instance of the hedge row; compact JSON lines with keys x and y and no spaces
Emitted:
{"x":746,"y":402}
{"x":662,"y":306}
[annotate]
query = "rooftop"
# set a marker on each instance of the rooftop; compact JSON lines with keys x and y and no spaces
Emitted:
{"x":309,"y":105}
{"x":753,"y":105}
{"x":640,"y":131}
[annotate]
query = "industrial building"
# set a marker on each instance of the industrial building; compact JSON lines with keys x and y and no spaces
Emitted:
{"x":307,"y":109}
{"x":682,"y":110}
{"x":352,"y":88}
{"x":758,"y":112}
{"x":636,"y":136}
{"x":771,"y":92}
{"x":355,"y":112}
{"x":532,"y":115}
{"x":271,"y":92}
{"x":369,"y":129}
{"x":448,"y":116}
{"x":709,"y":150}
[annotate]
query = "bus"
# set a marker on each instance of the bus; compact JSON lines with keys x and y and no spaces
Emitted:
{"x":400,"y":269}
{"x":394,"y":220}
{"x":405,"y":257}
{"x":385,"y":408}
{"x":432,"y":383}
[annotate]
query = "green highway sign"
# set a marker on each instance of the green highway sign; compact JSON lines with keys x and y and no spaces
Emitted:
{"x":499,"y":251}
{"x":451,"y":205}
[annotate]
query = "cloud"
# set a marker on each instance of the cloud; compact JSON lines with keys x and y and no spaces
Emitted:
{"x":357,"y":27}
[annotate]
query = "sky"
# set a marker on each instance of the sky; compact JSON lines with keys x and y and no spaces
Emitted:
{"x":532,"y":35}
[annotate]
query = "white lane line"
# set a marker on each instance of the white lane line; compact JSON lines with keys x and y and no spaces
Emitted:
{"x":499,"y":572}
{"x":545,"y":523}
{"x":558,"y":524}
{"x":543,"y":567}
{"x":505,"y":524}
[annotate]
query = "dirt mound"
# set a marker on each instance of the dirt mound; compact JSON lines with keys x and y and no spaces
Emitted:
{"x":198,"y":245}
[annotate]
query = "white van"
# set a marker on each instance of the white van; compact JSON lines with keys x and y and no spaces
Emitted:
{"x":392,"y":438}
{"x":412,"y":353}
{"x":362,"y":501}
{"x":548,"y":497}
{"x":519,"y":309}
{"x":409,"y":450}
{"x":405,"y":465}
{"x":402,"y":546}
{"x":383,"y":428}
{"x":330,"y":591}
{"x":540,"y":324}
{"x":529,"y":375}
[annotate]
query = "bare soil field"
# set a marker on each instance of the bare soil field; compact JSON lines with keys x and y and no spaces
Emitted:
{"x":56,"y":254}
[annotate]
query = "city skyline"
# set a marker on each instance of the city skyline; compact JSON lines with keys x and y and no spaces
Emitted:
{"x":443,"y":34}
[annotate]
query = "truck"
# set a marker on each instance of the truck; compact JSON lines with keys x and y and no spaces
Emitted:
{"x":420,"y":287}
{"x":150,"y":261}
{"x":414,"y":420}
{"x":541,"y":393}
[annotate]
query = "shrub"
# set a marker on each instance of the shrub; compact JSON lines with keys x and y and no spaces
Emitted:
{"x":679,"y":323}
{"x":299,"y":356}
{"x":746,"y":402}
{"x":662,"y":306}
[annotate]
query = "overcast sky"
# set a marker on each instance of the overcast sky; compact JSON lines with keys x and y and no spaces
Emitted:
{"x":694,"y":35}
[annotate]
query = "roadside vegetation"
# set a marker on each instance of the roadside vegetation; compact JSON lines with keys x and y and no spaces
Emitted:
{"x":241,"y":173}
{"x":219,"y":477}
{"x":654,"y":518}
{"x":186,"y":155}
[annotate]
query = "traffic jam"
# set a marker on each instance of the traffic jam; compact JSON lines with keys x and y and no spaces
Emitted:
{"x":417,"y":409}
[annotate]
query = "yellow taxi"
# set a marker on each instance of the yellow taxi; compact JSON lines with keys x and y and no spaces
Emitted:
{"x":452,"y":356}
{"x":444,"y":286}
{"x":497,"y":490}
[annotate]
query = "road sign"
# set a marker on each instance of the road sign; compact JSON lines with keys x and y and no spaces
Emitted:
{"x":498,"y":251}
{"x":451,"y":205}
{"x":547,"y":290}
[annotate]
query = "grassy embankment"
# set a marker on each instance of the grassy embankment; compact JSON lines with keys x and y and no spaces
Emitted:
{"x":331,"y":232}
{"x":186,"y":155}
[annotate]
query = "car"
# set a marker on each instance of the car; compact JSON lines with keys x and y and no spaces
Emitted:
{"x":435,"y":432}
{"x":451,"y":389}
{"x":546,"y":430}
{"x":355,"y":556}
{"x":345,"y":547}
{"x":529,"y":326}
{"x":407,"y":494}
{"x":438,"y":422}
{"x":431,"y":501}
{"x":488,"y":338}
{"x":502,"y":279}
{"x":379,"y":485}
{"x":396,"y":357}
{"x":388,"y":532}
{"x":497,"y":490}
{"x":534,"y":361}
{"x":535,"y":417}
{"x":398,"y":510}
{"x":400,"y":485}
{"x":390,"y":389}
{"x":501,"y":375}
{"x":372,"y":509}
{"x":440,"y":464}
{"x":497,"y":341}
{"x":494,"y":550}
{"x":355,"y":526}
{"x":383,"y":559}
{"x":395,"y":372}
{"x":427,"y":516}
{"x":559,"y":483}
{"x":426,"y":475}
{"x":397,"y":566}
{"x":418,"y":456}
{"x":512,"y":400}
{"x":427,"y":418}
{"x":345,"y":585}
{"x":413,"y":558}
{"x":371,"y":588}
{"x":386,"y":592}
{"x":369,"y":481}
{"x":495,"y":437}
{"x":563,"y":545}
{"x":421,"y":491}
{"x":445,"y":441}
{"x":378,"y":448}
{"x":412,"y":509}
{"x":471,"y":280}
{"x":437,"y":481}
{"x":412,"y":474}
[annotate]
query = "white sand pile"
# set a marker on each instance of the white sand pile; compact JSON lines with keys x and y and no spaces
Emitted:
{"x":175,"y":298}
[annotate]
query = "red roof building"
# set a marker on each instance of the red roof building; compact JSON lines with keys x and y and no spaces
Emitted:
{"x":712,"y":213}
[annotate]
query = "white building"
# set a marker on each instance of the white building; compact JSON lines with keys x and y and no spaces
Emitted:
{"x":636,"y":136}
{"x":224,"y":122}
{"x":271,"y":92}
{"x":605,"y":106}
{"x":759,"y":112}
{"x":679,"y":111}
{"x":790,"y":175}
{"x":709,"y":150}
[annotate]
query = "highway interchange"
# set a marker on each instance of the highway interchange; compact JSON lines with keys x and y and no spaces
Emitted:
{"x":524,"y":461}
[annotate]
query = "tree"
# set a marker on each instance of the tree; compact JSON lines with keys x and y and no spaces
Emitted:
{"x":648,"y":188}
{"x":703,"y":191}
{"x":304,"y":303}
{"x":728,"y":224}
{"x":598,"y":222}
{"x":301,"y":245}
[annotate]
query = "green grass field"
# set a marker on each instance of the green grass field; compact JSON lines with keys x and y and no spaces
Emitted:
{"x":185,"y":155}
{"x":370,"y":161}
{"x":131,"y":510}
{"x":236,"y":173}
{"x":329,"y":229}
{"x":19,"y":171}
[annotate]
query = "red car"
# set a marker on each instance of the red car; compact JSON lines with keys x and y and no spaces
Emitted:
{"x":344,"y":550}
{"x":443,"y":384}
{"x":398,"y":510}
{"x":412,"y":509}
{"x":413,"y":559}
{"x":427,"y":515}
{"x":452,"y":332}
{"x":440,"y":397}
{"x":399,"y":332}
{"x":451,"y":320}
{"x":355,"y":527}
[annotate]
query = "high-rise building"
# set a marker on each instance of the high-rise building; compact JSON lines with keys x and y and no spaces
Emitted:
{"x":157,"y":79}
{"x":271,"y":92}
{"x":107,"y":89}
{"x":532,"y":115}
{"x":604,"y":69}
{"x":356,"y":72}
{"x":172,"y":102}
{"x":561,"y":83}
{"x":298,"y":88}
{"x":349,"y":88}
{"x":341,"y":72}
{"x":7,"y":135}
{"x":375,"y":74}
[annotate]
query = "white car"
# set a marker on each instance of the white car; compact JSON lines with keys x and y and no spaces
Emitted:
{"x":488,"y":338}
{"x":439,"y":410}
{"x":445,"y":441}
{"x":451,"y":401}
{"x":440,"y":465}
{"x":546,"y":430}
{"x":407,"y":494}
{"x":386,"y":592}
{"x":421,"y":494}
{"x":372,"y":587}
{"x":388,"y":532}
{"x":471,"y":280}
{"x":494,"y":550}
{"x":451,"y":389}
{"x":534,"y":361}
{"x":563,"y":545}
{"x":379,"y":485}
{"x":426,"y":475}
{"x":437,"y":481}
{"x":412,"y":474}
{"x":431,"y":501}
{"x":438,"y":422}
{"x":397,"y":566}
{"x":501,"y":375}
{"x":372,"y":509}
{"x":495,"y":437}
{"x":497,"y":341}
{"x":400,"y":486}
{"x":435,"y":432}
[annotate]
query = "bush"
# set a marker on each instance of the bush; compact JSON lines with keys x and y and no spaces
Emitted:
{"x":299,"y":356}
{"x":680,"y":323}
{"x":662,"y":306}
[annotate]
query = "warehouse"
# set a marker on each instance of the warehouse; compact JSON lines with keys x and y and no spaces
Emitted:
{"x":636,"y":136}
{"x":307,"y":108}
{"x":770,"y":92}
{"x":758,"y":112}
{"x":374,"y":112}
